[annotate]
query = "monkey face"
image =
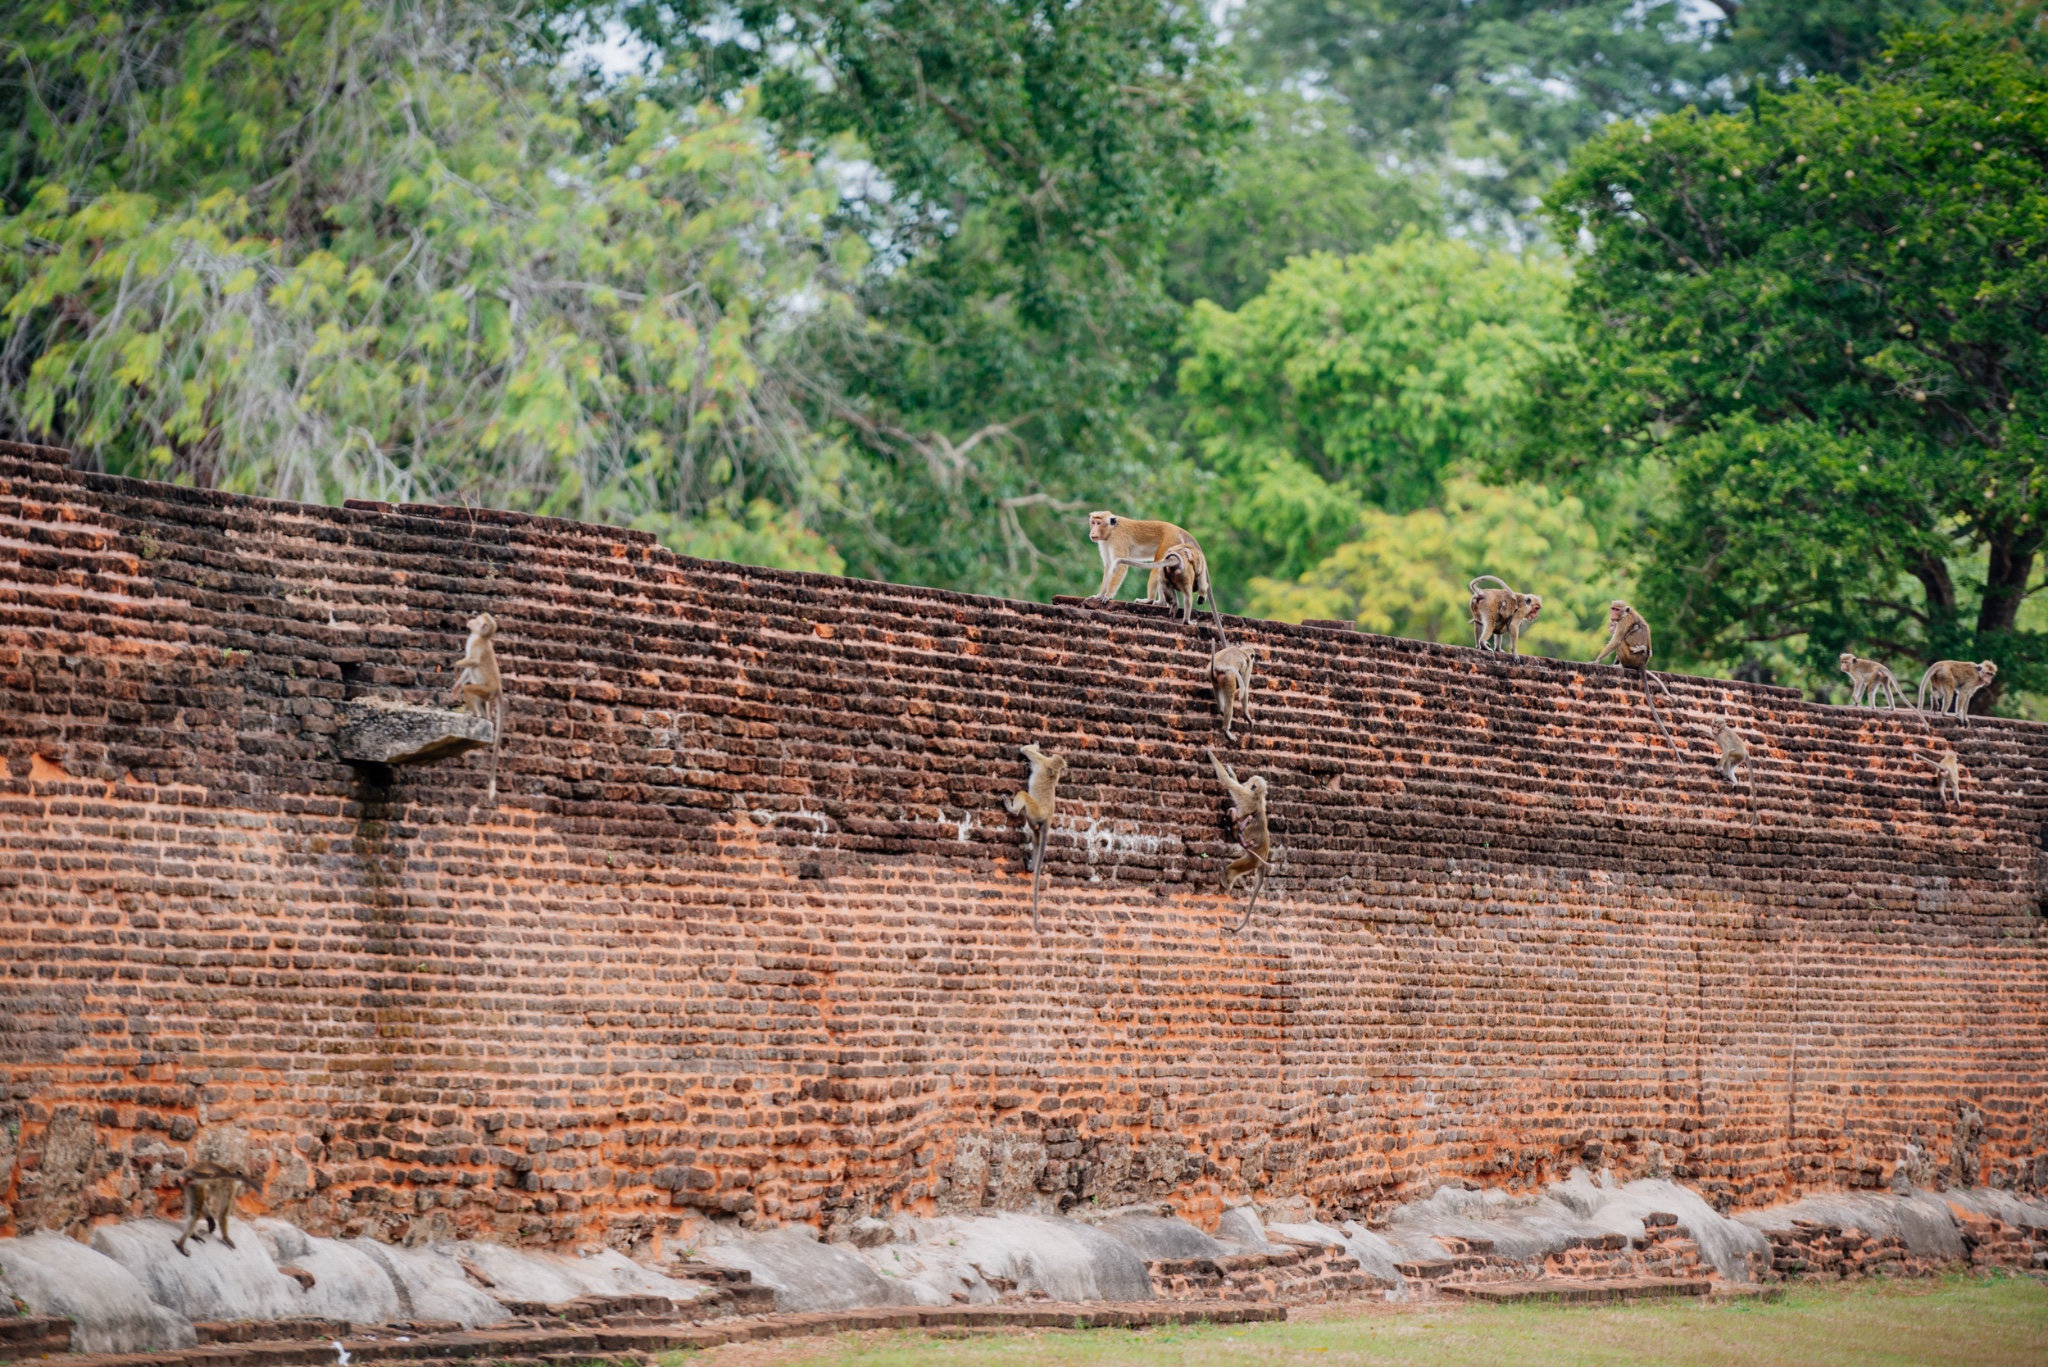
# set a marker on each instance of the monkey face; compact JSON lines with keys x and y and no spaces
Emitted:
{"x":1532,"y":603}
{"x":1099,"y":525}
{"x":484,"y":624}
{"x":1986,"y":672}
{"x":1846,"y":660}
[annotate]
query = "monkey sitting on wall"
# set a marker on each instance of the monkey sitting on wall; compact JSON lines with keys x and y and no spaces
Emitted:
{"x":480,"y":688}
{"x":1038,"y":803}
{"x":1501,"y":613}
{"x":209,"y":1196}
{"x":1869,"y":681}
{"x":1953,"y":683}
{"x":1628,"y":640}
{"x":1123,"y":538}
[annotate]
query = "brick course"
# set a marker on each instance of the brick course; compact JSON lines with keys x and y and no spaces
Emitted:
{"x":747,"y":932}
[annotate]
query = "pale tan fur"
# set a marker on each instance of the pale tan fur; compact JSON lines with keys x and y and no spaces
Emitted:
{"x":1869,"y":680}
{"x":480,"y":688}
{"x":1124,"y":538}
{"x":209,"y":1196}
{"x":1230,"y":674}
{"x":1249,"y":824}
{"x":1735,"y":754}
{"x":1183,"y":574}
{"x":1037,"y":804}
{"x":1628,"y":639}
{"x":1501,"y":612}
{"x":1950,"y":780}
{"x":1953,"y":683}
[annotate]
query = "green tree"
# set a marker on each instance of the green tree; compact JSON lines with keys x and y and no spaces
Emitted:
{"x":1510,"y":87}
{"x":1407,"y":573}
{"x":1295,"y":185}
{"x":318,"y":248}
{"x":1354,"y":383}
{"x":1033,"y":158}
{"x":1826,"y":321}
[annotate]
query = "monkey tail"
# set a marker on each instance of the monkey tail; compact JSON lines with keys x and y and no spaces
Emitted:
{"x":1258,"y":886}
{"x":1654,"y":714}
{"x":497,"y":743}
{"x":1921,"y":701}
{"x":1038,"y":871}
{"x":1473,"y":587}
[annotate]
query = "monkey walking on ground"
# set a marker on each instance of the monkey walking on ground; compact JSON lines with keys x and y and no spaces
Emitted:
{"x":1953,"y":683}
{"x":1230,"y":674}
{"x":1734,"y":753}
{"x":209,"y":1196}
{"x":1501,"y":612}
{"x":1184,"y":575}
{"x":1628,"y":640}
{"x":1123,"y":538}
{"x":1248,"y":823}
{"x":1037,"y":803}
{"x":480,"y":688}
{"x":1868,"y":681}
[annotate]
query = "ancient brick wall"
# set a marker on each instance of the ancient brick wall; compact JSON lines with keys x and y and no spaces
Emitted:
{"x":747,"y":931}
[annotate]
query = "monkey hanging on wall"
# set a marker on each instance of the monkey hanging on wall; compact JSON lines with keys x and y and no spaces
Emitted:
{"x":1038,"y":803}
{"x":1253,"y":831}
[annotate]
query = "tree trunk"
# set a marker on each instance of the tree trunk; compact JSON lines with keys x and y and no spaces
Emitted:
{"x":2005,"y":589}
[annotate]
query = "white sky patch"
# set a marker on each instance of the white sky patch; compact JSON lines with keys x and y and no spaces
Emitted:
{"x":615,"y":54}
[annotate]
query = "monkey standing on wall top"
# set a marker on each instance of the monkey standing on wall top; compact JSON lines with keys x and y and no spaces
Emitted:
{"x":1123,"y":538}
{"x":1501,"y":612}
{"x":1184,"y":576}
{"x":480,"y":688}
{"x":1230,"y":674}
{"x":1037,"y":804}
{"x":209,"y":1196}
{"x":1249,"y":824}
{"x":1869,"y":680}
{"x":1954,"y":683}
{"x":1628,"y":639}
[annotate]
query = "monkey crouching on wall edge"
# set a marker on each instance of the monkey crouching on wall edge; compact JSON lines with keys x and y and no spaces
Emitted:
{"x":1628,"y":640}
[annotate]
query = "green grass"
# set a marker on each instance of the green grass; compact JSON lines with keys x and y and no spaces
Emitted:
{"x":1979,"y":1321}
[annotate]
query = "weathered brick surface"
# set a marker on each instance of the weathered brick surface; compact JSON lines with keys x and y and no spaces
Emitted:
{"x":747,"y":930}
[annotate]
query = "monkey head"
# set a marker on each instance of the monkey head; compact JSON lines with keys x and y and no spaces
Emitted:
{"x":1846,"y":660}
{"x":484,"y":625}
{"x":1532,"y":603}
{"x":1256,"y":784}
{"x":1099,"y":525}
{"x":1986,"y":671}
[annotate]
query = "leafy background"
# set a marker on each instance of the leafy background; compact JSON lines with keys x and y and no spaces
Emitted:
{"x":1735,"y":311}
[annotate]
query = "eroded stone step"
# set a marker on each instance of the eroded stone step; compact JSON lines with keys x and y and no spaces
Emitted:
{"x":1574,"y":1292}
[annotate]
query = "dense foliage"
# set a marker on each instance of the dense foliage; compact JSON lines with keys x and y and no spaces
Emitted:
{"x":1358,"y":382}
{"x":1826,"y":321}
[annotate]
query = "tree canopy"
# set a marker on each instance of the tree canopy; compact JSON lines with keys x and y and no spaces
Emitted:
{"x":1826,"y":319}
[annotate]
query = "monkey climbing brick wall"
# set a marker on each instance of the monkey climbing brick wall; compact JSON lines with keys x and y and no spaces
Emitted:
{"x":747,"y":933}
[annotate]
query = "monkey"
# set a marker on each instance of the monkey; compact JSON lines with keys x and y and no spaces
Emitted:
{"x":1248,"y":823}
{"x":1954,"y":683}
{"x":480,"y":688}
{"x":1735,"y":753}
{"x":1501,"y":612}
{"x":1869,"y":680}
{"x":1122,"y":538}
{"x":1183,"y":574}
{"x":1950,"y":779}
{"x":1628,"y":639}
{"x":1036,"y":804}
{"x":1230,"y":674}
{"x":209,"y":1196}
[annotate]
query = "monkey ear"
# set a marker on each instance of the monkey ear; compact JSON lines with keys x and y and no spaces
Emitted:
{"x":1112,"y":521}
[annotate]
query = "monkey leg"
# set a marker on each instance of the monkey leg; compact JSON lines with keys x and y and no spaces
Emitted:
{"x":225,"y":1206}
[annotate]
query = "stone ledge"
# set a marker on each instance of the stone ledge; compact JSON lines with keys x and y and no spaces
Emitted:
{"x":1620,"y":1289}
{"x":543,"y":1344}
{"x":380,"y":731}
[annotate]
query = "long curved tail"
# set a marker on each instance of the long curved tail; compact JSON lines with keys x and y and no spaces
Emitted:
{"x":497,"y":743}
{"x":1473,"y":587}
{"x":1655,"y":715}
{"x":1038,"y":871}
{"x":1921,"y":701}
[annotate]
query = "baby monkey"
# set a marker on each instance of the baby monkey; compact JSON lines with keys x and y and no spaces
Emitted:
{"x":1037,"y":804}
{"x":1735,"y":753}
{"x":1183,"y":575}
{"x":1953,"y":683}
{"x":1248,"y":823}
{"x":1949,"y":779}
{"x":1230,"y":674}
{"x":209,"y":1196}
{"x":1501,"y":612}
{"x":1869,"y":680}
{"x":480,"y":688}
